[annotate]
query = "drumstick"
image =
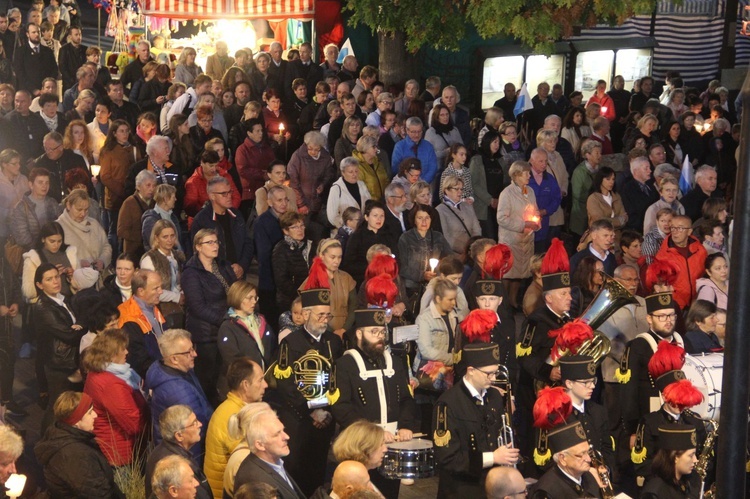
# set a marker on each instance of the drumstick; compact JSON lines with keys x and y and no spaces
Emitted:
{"x":414,"y":435}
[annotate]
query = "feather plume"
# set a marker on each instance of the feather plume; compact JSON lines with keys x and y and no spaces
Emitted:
{"x":381,"y":291}
{"x":668,"y":357}
{"x":498,"y":260}
{"x":318,"y":277}
{"x":660,"y":272}
{"x":382,"y":264}
{"x":682,"y":394}
{"x":556,"y":259}
{"x":552,"y":408}
{"x":478,"y":324}
{"x":570,"y":337}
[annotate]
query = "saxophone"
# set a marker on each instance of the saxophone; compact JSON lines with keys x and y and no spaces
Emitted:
{"x":706,"y":454}
{"x":597,"y":461}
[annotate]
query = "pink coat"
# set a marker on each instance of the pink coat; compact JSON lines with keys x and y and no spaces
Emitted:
{"x":123,"y":416}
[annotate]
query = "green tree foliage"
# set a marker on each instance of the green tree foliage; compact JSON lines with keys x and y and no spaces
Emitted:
{"x":537,"y":23}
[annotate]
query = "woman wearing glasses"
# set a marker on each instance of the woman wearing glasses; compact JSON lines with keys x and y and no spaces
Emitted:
{"x":205,"y":281}
{"x":291,"y":258}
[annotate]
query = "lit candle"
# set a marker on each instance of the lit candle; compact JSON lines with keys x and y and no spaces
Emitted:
{"x":604,"y":110}
{"x":535,"y":219}
{"x":95,"y":169}
{"x":15,"y":485}
{"x":281,"y":128}
{"x":433,"y":264}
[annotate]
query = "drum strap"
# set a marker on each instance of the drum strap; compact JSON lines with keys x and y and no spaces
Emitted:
{"x":366,"y":374}
{"x":652,"y":343}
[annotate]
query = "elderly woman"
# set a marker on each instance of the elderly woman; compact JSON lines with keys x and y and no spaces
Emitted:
{"x":442,"y":133}
{"x":701,"y":328}
{"x":347,"y":143}
{"x":343,"y":287}
{"x":347,"y":191}
{"x":74,"y":465}
{"x":186,"y":69}
{"x":85,"y":233}
{"x":244,"y":332}
{"x":547,"y":140}
{"x":291,"y":258}
{"x":13,"y":186}
{"x":668,"y":188}
{"x":129,"y":223}
{"x":165,"y":197}
{"x":518,"y":219}
{"x":458,"y":219}
{"x":580,"y":185}
{"x":310,"y":173}
{"x":417,"y":246}
{"x":605,"y":203}
{"x":205,"y":282}
{"x":115,"y":158}
{"x":167,"y":261}
{"x":116,"y":392}
{"x":371,"y":170}
{"x":369,"y":232}
{"x":54,"y":119}
{"x":80,"y":178}
{"x":59,"y":333}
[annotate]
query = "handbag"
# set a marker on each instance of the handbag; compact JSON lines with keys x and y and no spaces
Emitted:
{"x":14,"y":255}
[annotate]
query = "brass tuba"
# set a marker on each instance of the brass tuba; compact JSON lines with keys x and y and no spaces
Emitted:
{"x":610,"y":298}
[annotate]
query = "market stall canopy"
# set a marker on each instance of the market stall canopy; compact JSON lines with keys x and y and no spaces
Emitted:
{"x":229,"y":9}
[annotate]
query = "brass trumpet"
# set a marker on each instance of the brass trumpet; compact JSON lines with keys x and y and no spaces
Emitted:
{"x":506,"y":435}
{"x":597,"y":461}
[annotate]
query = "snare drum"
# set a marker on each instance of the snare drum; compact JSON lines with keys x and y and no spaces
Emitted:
{"x":412,"y":459}
{"x":705,"y":372}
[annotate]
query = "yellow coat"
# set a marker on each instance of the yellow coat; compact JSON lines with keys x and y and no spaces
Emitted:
{"x":374,"y":176}
{"x":219,"y":445}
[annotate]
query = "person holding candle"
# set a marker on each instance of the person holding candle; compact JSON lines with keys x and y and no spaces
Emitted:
{"x":604,"y":100}
{"x":275,"y":120}
{"x":11,"y":448}
{"x":420,"y":249}
{"x":458,"y":220}
{"x":518,"y":218}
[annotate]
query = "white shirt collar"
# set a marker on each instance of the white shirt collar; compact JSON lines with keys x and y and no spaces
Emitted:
{"x":576,"y":480}
{"x":600,"y":256}
{"x":474,"y":392}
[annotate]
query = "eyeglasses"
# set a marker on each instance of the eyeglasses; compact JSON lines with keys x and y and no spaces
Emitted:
{"x":189,"y":352}
{"x":323,"y":317}
{"x":50,"y":149}
{"x":223,"y":193}
{"x":453,"y":188}
{"x":210,"y":243}
{"x":580,"y":457}
{"x":379,"y":333}
{"x":664,"y":317}
{"x":588,"y":383}
{"x":492,"y":374}
{"x":679,"y":229}
{"x":297,"y":227}
{"x":194,"y":424}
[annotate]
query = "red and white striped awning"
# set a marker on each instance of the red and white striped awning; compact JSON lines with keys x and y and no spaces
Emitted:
{"x":229,"y":9}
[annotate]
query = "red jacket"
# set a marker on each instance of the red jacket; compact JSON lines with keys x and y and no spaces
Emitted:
{"x":690,"y":269}
{"x":252,"y":160}
{"x":196,"y":194}
{"x":123,"y":416}
{"x":608,"y":106}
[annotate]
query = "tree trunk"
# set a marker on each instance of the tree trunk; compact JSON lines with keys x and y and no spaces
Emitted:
{"x":396,"y":65}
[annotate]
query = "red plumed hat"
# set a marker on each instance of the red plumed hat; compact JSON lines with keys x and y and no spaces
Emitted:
{"x":478,"y":324}
{"x":498,"y":260}
{"x":668,"y":357}
{"x":660,"y":272}
{"x":555,"y":267}
{"x":382,"y":264}
{"x":381,"y":291}
{"x":318,"y":277}
{"x":569,"y":338}
{"x":552,"y":408}
{"x":682,"y":394}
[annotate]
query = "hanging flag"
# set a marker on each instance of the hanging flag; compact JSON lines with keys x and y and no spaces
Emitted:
{"x":346,"y":49}
{"x":686,"y":176}
{"x":523,"y":102}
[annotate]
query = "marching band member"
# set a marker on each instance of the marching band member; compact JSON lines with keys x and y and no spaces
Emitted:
{"x":673,"y":465}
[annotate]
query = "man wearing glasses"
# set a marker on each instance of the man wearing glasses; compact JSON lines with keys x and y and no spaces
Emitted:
{"x":307,"y":418}
{"x":570,"y":477}
{"x":688,"y":254}
{"x":58,"y":161}
{"x":375,"y":386}
{"x":172,"y":381}
{"x":639,"y":394}
{"x":466,"y":422}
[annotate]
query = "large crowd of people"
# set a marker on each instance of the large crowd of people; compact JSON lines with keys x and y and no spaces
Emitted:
{"x":222,"y":276}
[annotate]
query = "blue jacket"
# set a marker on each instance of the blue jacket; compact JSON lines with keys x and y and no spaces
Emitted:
{"x":205,"y":299}
{"x":548,"y":197}
{"x":425,"y":153}
{"x":168,"y":387}
{"x":205,"y":219}
{"x":266,"y":233}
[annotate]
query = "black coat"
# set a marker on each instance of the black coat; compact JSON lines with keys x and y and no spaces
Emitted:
{"x":312,"y":74}
{"x":360,"y":398}
{"x":165,"y":449}
{"x":31,"y":68}
{"x":74,"y":466}
{"x":290,"y":269}
{"x":235,"y":341}
{"x":205,"y":299}
{"x":355,"y":258}
{"x":58,"y":168}
{"x":149,"y":92}
{"x":59,"y":342}
{"x":393,"y":226}
{"x":70,"y":59}
{"x":172,"y":175}
{"x":255,"y":470}
{"x":555,"y":485}
{"x":636,"y":202}
{"x":473,"y":430}
{"x":657,"y":488}
{"x":636,"y":394}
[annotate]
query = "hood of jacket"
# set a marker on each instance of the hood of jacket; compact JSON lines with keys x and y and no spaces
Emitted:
{"x":159,"y":375}
{"x":58,"y":436}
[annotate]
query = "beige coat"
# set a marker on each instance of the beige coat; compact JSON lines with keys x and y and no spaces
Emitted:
{"x":556,"y":168}
{"x":513,"y":209}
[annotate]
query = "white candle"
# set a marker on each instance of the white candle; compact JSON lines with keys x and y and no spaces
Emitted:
{"x":15,"y":485}
{"x":433,"y":264}
{"x":95,"y":169}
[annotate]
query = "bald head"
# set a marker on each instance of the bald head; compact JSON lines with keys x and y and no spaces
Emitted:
{"x":350,"y":476}
{"x":503,"y":481}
